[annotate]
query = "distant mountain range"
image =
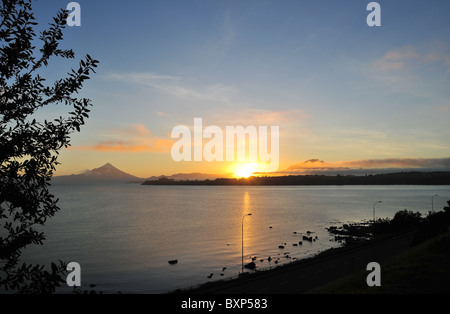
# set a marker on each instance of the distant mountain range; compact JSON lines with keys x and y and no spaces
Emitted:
{"x":109,"y":173}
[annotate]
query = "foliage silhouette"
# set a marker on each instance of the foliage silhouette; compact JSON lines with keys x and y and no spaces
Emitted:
{"x":434,"y":223}
{"x":29,"y":148}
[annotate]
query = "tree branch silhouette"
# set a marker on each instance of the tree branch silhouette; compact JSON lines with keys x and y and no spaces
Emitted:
{"x":29,"y":148}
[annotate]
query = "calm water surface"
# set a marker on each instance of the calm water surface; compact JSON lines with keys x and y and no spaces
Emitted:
{"x":124,"y":235}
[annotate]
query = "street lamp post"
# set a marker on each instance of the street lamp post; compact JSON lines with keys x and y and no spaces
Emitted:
{"x":374,"y":209}
{"x":432,"y":205}
{"x":249,"y":214}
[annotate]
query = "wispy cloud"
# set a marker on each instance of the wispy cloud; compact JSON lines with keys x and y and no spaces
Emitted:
{"x":162,"y":114}
{"x":395,"y":60}
{"x":135,"y":130}
{"x":254,"y":116}
{"x":439,"y":54}
{"x":409,"y":57}
{"x":399,"y":163}
{"x":175,"y":86}
{"x":216,"y":49}
{"x":410,"y":70}
{"x":148,"y":146}
{"x":144,"y":78}
{"x":441,"y":108}
{"x":317,"y":165}
{"x":131,"y":139}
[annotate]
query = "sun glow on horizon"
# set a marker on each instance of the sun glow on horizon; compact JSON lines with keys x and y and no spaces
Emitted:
{"x":245,"y":170}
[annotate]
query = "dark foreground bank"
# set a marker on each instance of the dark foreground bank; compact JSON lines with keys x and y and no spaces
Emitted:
{"x":405,"y":269}
{"x":305,"y":275}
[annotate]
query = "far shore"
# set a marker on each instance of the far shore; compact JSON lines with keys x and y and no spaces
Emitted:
{"x":394,"y":178}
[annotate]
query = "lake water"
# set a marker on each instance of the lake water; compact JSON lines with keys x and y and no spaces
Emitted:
{"x":123,"y":235}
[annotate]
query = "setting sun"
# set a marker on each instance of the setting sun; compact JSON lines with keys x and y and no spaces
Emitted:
{"x":245,"y":170}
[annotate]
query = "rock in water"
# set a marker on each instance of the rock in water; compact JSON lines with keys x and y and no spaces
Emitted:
{"x":250,"y":265}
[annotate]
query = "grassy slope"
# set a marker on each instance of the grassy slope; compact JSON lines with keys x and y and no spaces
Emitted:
{"x":424,"y":268}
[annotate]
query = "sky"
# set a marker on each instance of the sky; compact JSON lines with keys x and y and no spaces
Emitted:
{"x":343,"y":94}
